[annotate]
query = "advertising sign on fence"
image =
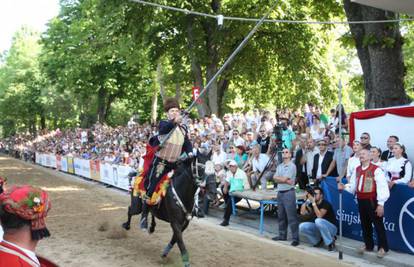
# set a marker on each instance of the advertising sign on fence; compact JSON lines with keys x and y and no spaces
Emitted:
{"x":64,"y":164}
{"x":71,"y":168}
{"x":398,"y":215}
{"x":95,"y":169}
{"x":82,"y":167}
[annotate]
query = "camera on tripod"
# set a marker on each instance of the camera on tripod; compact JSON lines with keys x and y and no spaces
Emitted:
{"x":277,"y":137}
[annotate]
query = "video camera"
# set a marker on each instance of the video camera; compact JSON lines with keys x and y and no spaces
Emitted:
{"x":310,"y":191}
{"x":277,"y":135}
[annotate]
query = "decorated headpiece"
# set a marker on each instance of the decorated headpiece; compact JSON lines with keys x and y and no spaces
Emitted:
{"x":170,"y":103}
{"x":30,"y":204}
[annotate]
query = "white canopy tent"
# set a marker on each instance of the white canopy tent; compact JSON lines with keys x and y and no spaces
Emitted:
{"x":400,"y":6}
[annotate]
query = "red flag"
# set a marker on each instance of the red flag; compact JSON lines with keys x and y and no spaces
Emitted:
{"x":196,"y":94}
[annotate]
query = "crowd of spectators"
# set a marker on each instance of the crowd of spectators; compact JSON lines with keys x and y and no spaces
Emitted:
{"x":241,"y":151}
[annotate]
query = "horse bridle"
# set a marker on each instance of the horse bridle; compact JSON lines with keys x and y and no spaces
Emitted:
{"x":188,"y":216}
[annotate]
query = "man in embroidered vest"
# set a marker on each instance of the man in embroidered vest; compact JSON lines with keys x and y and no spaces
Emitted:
{"x":172,"y":142}
{"x":371,"y":188}
{"x":23,"y":210}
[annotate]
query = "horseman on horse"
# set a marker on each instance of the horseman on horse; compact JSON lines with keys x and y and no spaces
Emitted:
{"x":172,"y":143}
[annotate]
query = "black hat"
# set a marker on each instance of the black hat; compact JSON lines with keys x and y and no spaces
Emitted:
{"x":170,"y":103}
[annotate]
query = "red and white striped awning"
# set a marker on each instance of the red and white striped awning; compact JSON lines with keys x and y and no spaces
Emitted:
{"x":400,"y":6}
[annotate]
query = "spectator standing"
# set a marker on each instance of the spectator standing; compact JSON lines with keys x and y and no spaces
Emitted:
{"x":263,"y":140}
{"x":321,"y":162}
{"x":375,"y":154}
{"x":285,"y":177}
{"x":321,"y":228}
{"x":340,"y":158}
{"x":369,"y":184}
{"x":317,"y":130}
{"x":354,"y":161}
{"x":287,"y":134}
{"x":387,"y":154}
{"x":398,"y":168}
{"x":300,"y":162}
{"x":311,"y":151}
{"x":365,"y":140}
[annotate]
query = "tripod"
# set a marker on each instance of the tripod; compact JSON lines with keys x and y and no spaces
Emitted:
{"x":277,"y":152}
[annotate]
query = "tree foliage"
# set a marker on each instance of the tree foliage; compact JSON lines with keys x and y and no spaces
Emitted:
{"x":104,"y":60}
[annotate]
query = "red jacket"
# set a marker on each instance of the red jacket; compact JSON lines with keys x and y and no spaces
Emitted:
{"x":11,"y":256}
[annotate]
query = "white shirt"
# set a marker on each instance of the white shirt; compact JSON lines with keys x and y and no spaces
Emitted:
{"x":383,"y":192}
{"x":218,"y":158}
{"x":319,"y":171}
{"x":353,"y":163}
{"x":29,"y":253}
{"x":258,"y":164}
{"x":394,"y":167}
{"x":238,"y":141}
{"x":1,"y":233}
{"x":310,"y":155}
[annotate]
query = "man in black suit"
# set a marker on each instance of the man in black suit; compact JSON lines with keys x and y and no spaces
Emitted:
{"x":387,"y":154}
{"x":300,"y":162}
{"x":321,"y":163}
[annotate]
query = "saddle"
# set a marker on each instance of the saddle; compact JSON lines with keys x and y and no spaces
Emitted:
{"x":160,"y":191}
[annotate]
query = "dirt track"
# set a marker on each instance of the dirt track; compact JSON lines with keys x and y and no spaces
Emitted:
{"x":85,"y":224}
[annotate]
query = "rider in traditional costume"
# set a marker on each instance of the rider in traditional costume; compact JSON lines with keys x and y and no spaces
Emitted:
{"x":23,"y":210}
{"x":172,"y":142}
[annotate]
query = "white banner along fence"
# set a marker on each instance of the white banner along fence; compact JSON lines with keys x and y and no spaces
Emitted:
{"x":107,"y":173}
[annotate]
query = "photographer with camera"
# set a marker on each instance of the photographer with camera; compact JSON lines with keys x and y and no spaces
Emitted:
{"x":287,"y":134}
{"x":318,"y":222}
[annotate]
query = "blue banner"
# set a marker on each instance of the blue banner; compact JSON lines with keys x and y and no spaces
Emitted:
{"x":398,"y":215}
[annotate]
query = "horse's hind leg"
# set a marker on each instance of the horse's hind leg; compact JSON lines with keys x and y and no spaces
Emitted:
{"x":127,"y":225}
{"x":171,"y":244}
{"x":134,"y":209}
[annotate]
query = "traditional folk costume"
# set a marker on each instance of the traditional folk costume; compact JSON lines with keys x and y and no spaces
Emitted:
{"x":371,"y":188}
{"x":174,"y":144}
{"x":29,"y":204}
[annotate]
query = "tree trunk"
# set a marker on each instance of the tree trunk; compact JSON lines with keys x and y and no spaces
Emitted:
{"x":160,"y":80}
{"x":154,"y":106}
{"x":196,"y":68}
{"x":379,"y":50}
{"x":223,"y":85}
{"x":178,"y":92}
{"x":101,"y":104}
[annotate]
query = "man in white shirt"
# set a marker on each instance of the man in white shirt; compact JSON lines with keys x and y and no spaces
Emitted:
{"x":236,"y":139}
{"x":311,"y":151}
{"x":369,"y":184}
{"x":259,"y":162}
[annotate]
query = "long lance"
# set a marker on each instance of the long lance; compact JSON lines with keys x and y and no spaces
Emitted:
{"x":224,"y":66}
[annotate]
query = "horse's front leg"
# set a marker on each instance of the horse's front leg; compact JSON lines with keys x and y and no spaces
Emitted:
{"x":153,"y":224}
{"x":171,"y":244}
{"x":179,"y":239}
